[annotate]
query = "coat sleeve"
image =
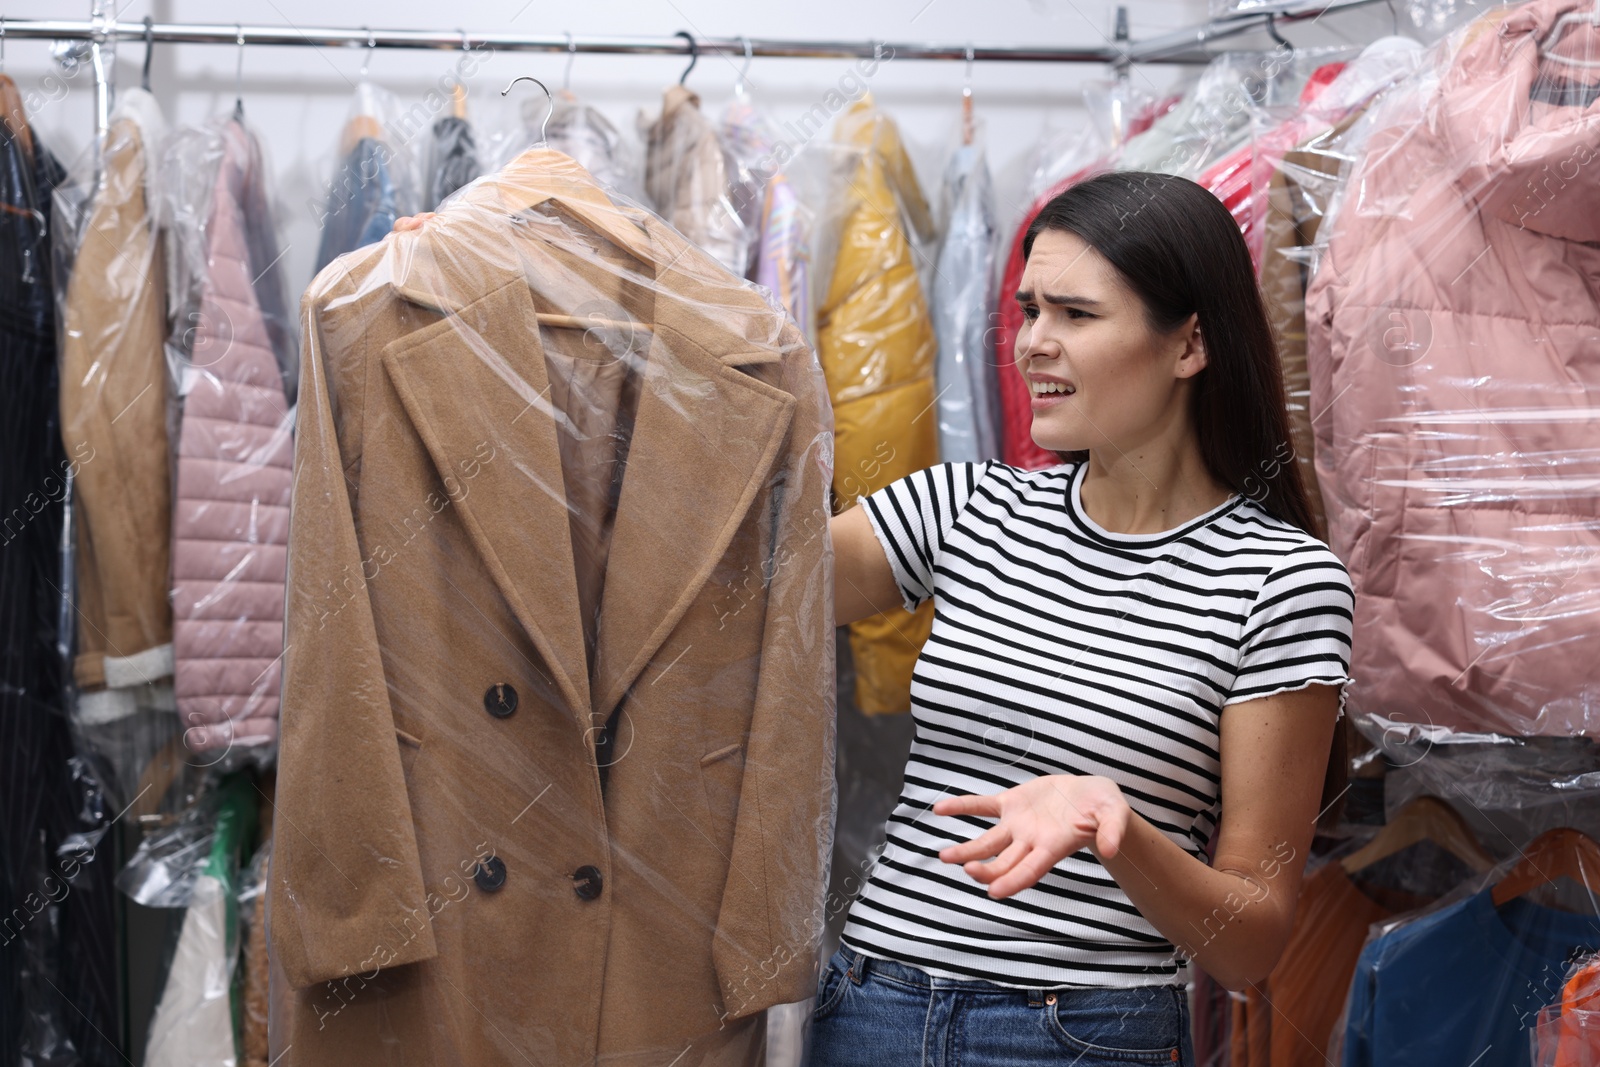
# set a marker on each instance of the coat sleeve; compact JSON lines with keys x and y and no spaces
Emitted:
{"x":772,"y":916}
{"x":346,"y":891}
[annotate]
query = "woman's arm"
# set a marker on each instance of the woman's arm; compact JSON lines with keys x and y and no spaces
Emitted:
{"x":863,"y":583}
{"x":1233,"y":917}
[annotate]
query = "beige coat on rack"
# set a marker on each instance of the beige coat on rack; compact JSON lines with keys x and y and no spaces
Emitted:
{"x":114,"y":427}
{"x":454,"y":879}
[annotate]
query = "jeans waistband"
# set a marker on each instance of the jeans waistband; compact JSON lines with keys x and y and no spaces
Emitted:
{"x":862,"y":965}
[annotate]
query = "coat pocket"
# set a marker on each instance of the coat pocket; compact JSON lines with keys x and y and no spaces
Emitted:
{"x":410,"y":748}
{"x":721,"y":776}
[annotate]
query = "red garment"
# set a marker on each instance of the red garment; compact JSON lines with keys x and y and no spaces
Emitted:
{"x":1236,"y":175}
{"x":1016,"y":409}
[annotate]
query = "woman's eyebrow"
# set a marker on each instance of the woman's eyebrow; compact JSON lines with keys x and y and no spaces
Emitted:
{"x":1025,"y":296}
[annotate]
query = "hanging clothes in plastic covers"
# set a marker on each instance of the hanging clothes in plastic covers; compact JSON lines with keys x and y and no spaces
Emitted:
{"x":195,"y":1018}
{"x":1464,"y":981}
{"x":58,"y":992}
{"x":876,"y":343}
{"x":772,"y":209}
{"x":1423,"y":852}
{"x":583,"y":132}
{"x":1294,"y":175}
{"x":688,"y":175}
{"x":115,"y":398}
{"x":452,"y":154}
{"x":556,"y":777}
{"x":1568,"y":1031}
{"x":1215,"y":119}
{"x":371,"y":186}
{"x":1230,"y":178}
{"x":963,"y":291}
{"x":235,"y":443}
{"x":1450,"y":327}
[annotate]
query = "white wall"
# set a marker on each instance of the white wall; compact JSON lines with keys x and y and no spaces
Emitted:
{"x":298,"y":97}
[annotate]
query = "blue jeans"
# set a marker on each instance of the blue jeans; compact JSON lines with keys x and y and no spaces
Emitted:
{"x":876,"y":1013}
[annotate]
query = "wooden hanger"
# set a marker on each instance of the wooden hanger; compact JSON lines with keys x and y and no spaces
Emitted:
{"x":1424,"y":819}
{"x":1559,"y":853}
{"x":14,"y":115}
{"x":358,"y":128}
{"x":458,"y":101}
{"x":968,"y":130}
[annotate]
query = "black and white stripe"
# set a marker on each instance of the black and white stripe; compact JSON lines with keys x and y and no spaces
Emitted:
{"x":1059,"y":647}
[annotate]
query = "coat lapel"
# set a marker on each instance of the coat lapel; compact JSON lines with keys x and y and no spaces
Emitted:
{"x":705,"y":439}
{"x":474,"y":385}
{"x":706,"y":434}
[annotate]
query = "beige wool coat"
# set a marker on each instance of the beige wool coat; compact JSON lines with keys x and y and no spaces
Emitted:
{"x":557,"y":738}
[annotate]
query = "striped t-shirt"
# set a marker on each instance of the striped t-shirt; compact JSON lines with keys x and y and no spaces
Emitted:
{"x":1059,"y":647}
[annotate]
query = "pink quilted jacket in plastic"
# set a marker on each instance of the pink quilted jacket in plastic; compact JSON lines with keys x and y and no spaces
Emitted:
{"x":234,"y":460}
{"x":1454,"y":330}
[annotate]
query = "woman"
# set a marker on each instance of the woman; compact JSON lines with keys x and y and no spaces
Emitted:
{"x":1131,"y":651}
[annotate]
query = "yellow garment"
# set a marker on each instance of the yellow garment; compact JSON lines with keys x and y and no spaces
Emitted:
{"x":876,"y":344}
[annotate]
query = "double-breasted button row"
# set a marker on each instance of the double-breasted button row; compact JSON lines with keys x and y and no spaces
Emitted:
{"x":491,"y":875}
{"x":500,"y":700}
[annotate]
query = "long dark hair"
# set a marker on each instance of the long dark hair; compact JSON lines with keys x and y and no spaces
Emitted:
{"x":1180,"y":250}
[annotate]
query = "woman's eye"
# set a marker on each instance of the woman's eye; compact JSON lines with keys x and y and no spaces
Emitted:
{"x":1077,"y":313}
{"x":1030,"y":312}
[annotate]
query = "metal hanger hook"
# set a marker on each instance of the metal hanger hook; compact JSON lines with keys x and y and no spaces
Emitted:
{"x":744,"y":71}
{"x":2,"y":42}
{"x":238,"y":73}
{"x":1272,"y":31}
{"x":548,"y":98}
{"x":149,"y":47}
{"x":967,"y":78}
{"x":366,"y":58}
{"x":572,"y":53}
{"x":694,"y":54}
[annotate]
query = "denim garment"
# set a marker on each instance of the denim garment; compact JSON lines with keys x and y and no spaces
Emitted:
{"x":876,"y":1013}
{"x":363,"y":202}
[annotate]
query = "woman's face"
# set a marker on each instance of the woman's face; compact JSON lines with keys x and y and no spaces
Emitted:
{"x":1098,"y":375}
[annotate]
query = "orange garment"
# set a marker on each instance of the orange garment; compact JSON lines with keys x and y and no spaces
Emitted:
{"x":1288,"y":1020}
{"x":1578,"y":1041}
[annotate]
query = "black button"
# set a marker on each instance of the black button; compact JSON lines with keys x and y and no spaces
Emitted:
{"x":500,"y":700}
{"x":491,"y":874}
{"x":586,"y":882}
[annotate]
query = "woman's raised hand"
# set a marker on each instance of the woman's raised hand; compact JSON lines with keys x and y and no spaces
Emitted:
{"x":413,"y":222}
{"x":1041,"y":822}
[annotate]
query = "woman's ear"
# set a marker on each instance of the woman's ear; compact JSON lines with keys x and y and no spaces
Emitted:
{"x":1193,"y":358}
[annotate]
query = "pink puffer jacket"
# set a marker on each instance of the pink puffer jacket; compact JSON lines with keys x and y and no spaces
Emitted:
{"x":1454,"y":332}
{"x":234,"y":462}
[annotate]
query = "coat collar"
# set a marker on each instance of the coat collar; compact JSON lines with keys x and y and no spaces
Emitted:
{"x":460,"y":255}
{"x":705,"y":436}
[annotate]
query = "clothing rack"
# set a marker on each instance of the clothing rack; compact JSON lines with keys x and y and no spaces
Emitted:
{"x":1179,"y":47}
